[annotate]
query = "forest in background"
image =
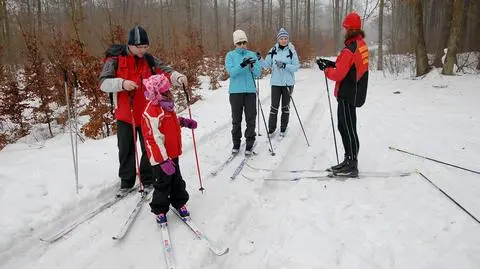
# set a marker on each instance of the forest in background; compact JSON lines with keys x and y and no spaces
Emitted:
{"x":41,"y":40}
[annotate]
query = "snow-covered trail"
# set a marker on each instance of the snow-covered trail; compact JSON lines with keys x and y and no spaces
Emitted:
{"x":366,"y":223}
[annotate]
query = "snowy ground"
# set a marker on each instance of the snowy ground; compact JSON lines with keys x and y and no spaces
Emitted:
{"x":362,"y":223}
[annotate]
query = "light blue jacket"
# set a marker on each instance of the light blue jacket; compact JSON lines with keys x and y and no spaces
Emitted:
{"x":286,"y":76}
{"x":241,"y":80}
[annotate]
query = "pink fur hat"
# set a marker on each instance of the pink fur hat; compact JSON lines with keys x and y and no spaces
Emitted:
{"x":155,"y":86}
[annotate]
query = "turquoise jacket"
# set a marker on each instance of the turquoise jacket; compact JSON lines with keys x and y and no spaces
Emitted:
{"x":241,"y":80}
{"x":288,"y":55}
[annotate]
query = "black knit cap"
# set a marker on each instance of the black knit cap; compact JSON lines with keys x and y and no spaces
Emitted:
{"x":138,"y":36}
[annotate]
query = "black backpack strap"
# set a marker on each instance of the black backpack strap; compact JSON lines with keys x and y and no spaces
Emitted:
{"x":290,"y":54}
{"x":272,"y":52}
{"x":151,"y":63}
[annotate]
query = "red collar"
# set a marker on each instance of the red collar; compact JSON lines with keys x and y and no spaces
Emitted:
{"x":353,"y":39}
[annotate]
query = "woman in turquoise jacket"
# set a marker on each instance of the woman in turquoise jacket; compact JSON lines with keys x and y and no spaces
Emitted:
{"x":283,"y":60}
{"x":242,"y":67}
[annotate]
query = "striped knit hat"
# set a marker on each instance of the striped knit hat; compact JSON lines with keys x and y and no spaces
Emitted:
{"x":138,"y":36}
{"x":282,"y":33}
{"x":154,"y":87}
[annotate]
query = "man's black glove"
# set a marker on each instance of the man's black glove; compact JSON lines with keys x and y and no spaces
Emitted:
{"x":324,"y":63}
{"x":247,"y":61}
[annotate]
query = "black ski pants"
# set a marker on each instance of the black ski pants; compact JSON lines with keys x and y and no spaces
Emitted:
{"x":168,"y":190}
{"x":126,"y":155}
{"x":240,"y":103}
{"x":347,"y":126}
{"x":279,"y":92}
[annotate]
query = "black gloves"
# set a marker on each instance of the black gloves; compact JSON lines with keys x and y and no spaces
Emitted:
{"x":248,"y":61}
{"x":324,"y":63}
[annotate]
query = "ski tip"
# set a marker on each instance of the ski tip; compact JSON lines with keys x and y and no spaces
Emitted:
{"x":221,"y":252}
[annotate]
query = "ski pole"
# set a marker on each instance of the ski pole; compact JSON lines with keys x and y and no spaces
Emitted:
{"x":263,"y":116}
{"x":433,"y":160}
{"x":194,"y":141}
{"x":134,"y":129}
{"x":74,"y":112}
{"x":331,"y":118}
{"x":258,"y":107}
{"x":65,"y":79}
{"x":448,"y":196}
{"x":294,"y":106}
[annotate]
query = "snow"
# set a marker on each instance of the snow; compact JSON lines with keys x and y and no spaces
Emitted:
{"x":362,"y":223}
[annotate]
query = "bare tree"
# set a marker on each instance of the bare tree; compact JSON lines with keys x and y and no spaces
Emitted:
{"x":217,"y":33}
{"x":455,"y":29}
{"x":336,"y":23}
{"x":292,"y":19}
{"x":380,"y":36}
{"x":263,"y":19}
{"x":420,"y":49}
{"x":234,"y":15}
{"x":309,"y":27}
{"x":445,"y":30}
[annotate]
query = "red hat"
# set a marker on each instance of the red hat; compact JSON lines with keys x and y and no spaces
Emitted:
{"x":352,"y":21}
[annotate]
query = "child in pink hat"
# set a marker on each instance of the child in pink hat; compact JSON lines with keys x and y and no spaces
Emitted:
{"x":163,"y":141}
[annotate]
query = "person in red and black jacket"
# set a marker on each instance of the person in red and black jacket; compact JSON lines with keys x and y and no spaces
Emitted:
{"x":123,"y":71}
{"x":350,"y":72}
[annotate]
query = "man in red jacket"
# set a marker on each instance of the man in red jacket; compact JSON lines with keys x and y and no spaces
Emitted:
{"x":350,"y":72}
{"x":122,"y":74}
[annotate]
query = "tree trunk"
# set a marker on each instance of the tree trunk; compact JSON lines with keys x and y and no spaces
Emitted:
{"x":297,"y":27}
{"x":420,"y":50}
{"x":3,"y":19}
{"x":200,"y":32}
{"x":291,"y":17}
{"x":234,"y":15}
{"x":281,"y":16}
{"x":393,"y":47}
{"x":39,"y":16}
{"x":217,"y":34}
{"x":270,"y":16}
{"x":445,"y":30}
{"x":380,"y":36}
{"x":453,"y":38}
{"x":309,"y":26}
{"x":314,"y":15}
{"x":229,"y":8}
{"x":336,"y":26}
{"x":189,"y":17}
{"x":263,"y":19}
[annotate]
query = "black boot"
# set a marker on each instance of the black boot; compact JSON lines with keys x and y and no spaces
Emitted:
{"x":350,"y":169}
{"x":338,"y":166}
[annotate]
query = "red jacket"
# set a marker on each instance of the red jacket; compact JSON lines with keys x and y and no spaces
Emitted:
{"x":161,"y":132}
{"x":134,"y":69}
{"x":351,"y":72}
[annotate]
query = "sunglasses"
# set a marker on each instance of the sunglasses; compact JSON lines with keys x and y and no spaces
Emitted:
{"x":241,"y":43}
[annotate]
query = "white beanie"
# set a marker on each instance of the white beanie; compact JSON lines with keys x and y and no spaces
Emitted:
{"x":239,"y":36}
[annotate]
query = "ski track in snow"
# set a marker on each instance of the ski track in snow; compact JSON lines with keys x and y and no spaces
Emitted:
{"x":367,"y":223}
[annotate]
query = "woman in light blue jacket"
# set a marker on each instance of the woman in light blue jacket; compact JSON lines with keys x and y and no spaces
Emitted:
{"x":283,"y":60}
{"x":242,"y":67}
